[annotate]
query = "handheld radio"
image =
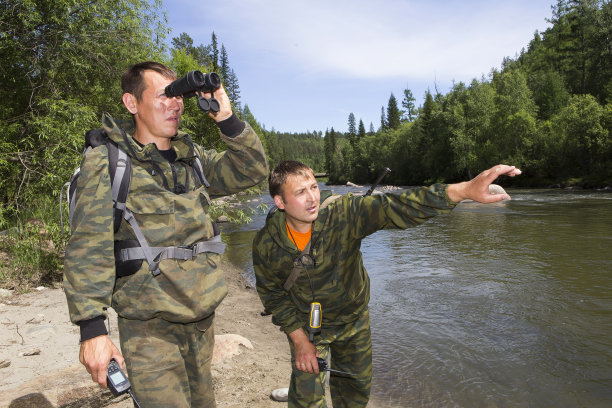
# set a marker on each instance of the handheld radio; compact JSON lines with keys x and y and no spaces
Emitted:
{"x":324,"y":367}
{"x":117,"y":382}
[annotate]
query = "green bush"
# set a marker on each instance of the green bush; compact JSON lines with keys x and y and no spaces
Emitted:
{"x":31,"y":255}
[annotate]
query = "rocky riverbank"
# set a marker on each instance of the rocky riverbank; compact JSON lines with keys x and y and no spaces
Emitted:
{"x":39,"y":364}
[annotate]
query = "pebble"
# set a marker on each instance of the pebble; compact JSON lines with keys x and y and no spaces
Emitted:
{"x":34,"y":352}
{"x":37,"y":320}
{"x":5,"y":293}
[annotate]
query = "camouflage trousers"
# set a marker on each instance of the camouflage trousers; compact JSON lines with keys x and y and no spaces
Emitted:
{"x":168,"y":364}
{"x":350,"y":349}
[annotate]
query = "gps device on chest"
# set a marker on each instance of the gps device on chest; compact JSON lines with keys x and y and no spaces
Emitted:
{"x":314,"y":324}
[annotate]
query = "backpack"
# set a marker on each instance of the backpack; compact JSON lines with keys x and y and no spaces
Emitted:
{"x":120,"y":166}
{"x":129,"y":254}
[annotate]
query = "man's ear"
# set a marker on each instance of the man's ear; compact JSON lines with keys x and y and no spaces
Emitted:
{"x":129,"y":101}
{"x":278,"y":200}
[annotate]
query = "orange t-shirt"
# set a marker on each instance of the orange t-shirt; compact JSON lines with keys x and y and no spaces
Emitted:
{"x":300,"y":239}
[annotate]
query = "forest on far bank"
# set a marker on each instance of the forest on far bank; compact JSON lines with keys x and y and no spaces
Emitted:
{"x":548,"y":111}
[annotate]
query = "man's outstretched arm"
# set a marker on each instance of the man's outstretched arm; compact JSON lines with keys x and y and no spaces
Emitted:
{"x":477,"y":189}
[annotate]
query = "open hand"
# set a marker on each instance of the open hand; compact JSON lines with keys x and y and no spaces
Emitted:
{"x":477,"y":189}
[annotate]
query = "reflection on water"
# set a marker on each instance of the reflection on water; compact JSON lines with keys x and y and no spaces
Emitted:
{"x":501,"y":305}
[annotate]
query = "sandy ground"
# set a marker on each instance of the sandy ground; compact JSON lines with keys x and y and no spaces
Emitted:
{"x":37,"y":323}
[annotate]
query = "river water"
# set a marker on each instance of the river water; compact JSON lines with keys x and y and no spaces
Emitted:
{"x":500,"y":305}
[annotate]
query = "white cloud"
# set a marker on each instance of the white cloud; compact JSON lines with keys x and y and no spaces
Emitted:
{"x":369,"y":39}
{"x":305,"y":64}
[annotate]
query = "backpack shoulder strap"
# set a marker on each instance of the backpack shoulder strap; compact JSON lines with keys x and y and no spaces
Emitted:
{"x":199,"y":171}
{"x":93,"y":138}
{"x":297,"y":268}
{"x":196,"y":164}
{"x":120,"y":169}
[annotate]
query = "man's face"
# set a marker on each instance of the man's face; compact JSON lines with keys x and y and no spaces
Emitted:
{"x":300,"y":200}
{"x":156,"y":115}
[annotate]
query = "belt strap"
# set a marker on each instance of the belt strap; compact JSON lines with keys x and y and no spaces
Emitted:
{"x":146,"y":249}
{"x":184,"y":253}
{"x":297,"y":268}
{"x":154,"y":255}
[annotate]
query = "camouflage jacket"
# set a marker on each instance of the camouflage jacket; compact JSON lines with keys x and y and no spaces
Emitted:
{"x":185,"y":291}
{"x":339,"y":279}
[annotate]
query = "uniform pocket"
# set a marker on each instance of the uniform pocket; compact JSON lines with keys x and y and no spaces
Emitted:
{"x":192,"y":222}
{"x":155,"y":216}
{"x":147,"y":203}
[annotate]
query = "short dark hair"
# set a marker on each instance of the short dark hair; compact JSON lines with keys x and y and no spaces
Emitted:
{"x":132,"y":81}
{"x":279,"y":175}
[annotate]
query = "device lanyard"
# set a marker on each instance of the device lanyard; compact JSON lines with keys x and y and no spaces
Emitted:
{"x":305,"y":260}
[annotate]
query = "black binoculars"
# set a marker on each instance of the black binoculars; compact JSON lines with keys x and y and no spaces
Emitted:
{"x":194,"y":83}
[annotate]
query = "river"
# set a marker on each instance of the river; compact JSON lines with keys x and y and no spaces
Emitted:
{"x":500,"y":305}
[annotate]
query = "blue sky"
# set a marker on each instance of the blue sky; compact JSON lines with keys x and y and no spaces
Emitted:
{"x":306,"y":65}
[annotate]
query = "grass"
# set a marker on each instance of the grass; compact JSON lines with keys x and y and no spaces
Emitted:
{"x":31,"y":255}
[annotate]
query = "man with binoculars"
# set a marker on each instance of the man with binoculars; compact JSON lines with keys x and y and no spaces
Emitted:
{"x":158,"y":267}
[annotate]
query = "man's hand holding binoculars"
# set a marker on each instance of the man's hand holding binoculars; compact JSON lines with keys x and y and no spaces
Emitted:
{"x":225,"y":107}
{"x":212,"y":97}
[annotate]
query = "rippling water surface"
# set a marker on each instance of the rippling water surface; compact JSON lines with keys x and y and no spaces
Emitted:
{"x":500,"y":305}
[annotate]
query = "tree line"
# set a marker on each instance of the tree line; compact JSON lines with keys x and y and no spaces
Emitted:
{"x":547,"y":111}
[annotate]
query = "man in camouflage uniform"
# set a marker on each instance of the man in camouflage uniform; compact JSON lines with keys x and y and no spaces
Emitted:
{"x":333,"y":274}
{"x":165,"y":321}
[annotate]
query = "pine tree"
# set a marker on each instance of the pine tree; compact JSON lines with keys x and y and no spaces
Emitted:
{"x":360,"y":165}
{"x":383,"y":119}
{"x":361,"y":132}
{"x":408,"y":105}
{"x":352,"y":130}
{"x":393,"y":113}
{"x":234,"y":93}
{"x":214,"y":52}
{"x":224,"y":63}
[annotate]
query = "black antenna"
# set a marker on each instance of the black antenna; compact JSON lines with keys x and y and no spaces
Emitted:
{"x":384,"y":173}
